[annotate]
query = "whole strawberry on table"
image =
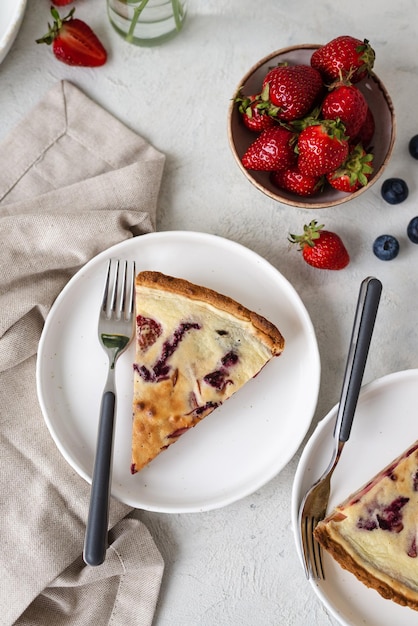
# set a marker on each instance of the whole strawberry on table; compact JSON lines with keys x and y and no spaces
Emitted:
{"x":321,"y":248}
{"x":329,"y":123}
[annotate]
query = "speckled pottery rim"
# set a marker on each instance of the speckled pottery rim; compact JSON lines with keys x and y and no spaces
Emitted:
{"x":240,"y":137}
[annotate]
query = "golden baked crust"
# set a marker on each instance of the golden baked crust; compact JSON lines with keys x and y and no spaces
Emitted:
{"x":374,"y":532}
{"x":194,"y":349}
{"x":156,"y":280}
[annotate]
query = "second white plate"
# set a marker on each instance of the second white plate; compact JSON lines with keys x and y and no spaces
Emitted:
{"x":385,"y":425}
{"x":235,"y":450}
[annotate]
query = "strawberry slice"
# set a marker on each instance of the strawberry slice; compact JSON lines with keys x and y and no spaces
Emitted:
{"x":73,"y":41}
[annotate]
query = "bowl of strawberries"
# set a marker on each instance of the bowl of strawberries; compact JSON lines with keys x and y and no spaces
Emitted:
{"x":312,"y":126}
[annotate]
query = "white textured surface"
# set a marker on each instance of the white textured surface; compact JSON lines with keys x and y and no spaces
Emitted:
{"x":238,"y":565}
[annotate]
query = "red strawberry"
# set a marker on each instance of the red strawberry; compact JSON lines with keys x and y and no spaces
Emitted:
{"x":293,"y":180}
{"x":322,"y":148}
{"x":292,"y":90}
{"x":61,"y":3}
{"x":354,"y":172}
{"x":73,"y":41}
{"x":344,"y":56}
{"x":366,"y":132}
{"x":347,"y":103}
{"x":272,"y":150}
{"x":321,"y":248}
{"x":254,"y":112}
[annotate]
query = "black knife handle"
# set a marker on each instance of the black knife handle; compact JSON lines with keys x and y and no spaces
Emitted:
{"x":364,"y":321}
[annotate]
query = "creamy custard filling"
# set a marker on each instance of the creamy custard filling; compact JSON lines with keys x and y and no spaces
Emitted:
{"x":191,"y":355}
{"x":374,"y":533}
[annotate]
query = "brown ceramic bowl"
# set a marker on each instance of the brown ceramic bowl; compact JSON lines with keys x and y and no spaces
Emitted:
{"x":240,"y":137}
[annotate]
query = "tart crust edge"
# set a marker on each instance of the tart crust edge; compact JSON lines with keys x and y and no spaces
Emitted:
{"x":400,"y":594}
{"x":266,"y":330}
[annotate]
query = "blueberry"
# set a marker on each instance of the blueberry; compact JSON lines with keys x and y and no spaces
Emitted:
{"x":386,"y":247}
{"x":412,"y":230}
{"x":413,"y":147}
{"x":394,"y":190}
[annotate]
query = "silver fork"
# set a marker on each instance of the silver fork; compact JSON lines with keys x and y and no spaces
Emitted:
{"x":314,"y":504}
{"x":115,"y":329}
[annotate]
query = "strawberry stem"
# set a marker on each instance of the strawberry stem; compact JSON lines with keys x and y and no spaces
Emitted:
{"x":311,"y":232}
{"x":55,"y":29}
{"x":358,"y":166}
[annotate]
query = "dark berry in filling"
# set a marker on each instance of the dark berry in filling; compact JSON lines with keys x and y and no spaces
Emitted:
{"x":412,"y":552}
{"x":387,"y":518}
{"x":148,"y":331}
{"x":219,"y":378}
{"x":161,"y":369}
{"x":229,"y":359}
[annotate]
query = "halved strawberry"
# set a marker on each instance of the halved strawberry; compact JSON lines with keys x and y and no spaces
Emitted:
{"x":292,"y":90}
{"x":73,"y":41}
{"x":346,"y":103}
{"x":354,"y":172}
{"x":342,"y":56}
{"x":292,"y":179}
{"x":322,"y":147}
{"x":272,"y":150}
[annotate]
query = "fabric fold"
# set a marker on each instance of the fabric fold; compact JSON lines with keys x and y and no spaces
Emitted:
{"x":131,"y":558}
{"x":73,"y":182}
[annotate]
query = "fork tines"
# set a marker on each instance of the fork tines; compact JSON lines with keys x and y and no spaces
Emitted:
{"x":316,"y":568}
{"x":119,"y":291}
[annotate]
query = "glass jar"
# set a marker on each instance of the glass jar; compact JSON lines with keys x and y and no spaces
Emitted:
{"x":147,"y":22}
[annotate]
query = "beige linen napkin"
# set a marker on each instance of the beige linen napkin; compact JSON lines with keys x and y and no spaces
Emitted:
{"x":73,"y":181}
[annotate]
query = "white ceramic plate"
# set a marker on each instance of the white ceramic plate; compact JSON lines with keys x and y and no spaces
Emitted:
{"x":11,"y":15}
{"x":384,"y":426}
{"x":236,"y":449}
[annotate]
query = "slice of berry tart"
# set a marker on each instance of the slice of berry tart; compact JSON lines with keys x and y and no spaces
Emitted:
{"x":194,"y":349}
{"x":374,"y":533}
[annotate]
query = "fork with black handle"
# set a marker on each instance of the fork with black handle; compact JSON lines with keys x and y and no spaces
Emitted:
{"x":314,"y":504}
{"x":116,"y":330}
